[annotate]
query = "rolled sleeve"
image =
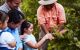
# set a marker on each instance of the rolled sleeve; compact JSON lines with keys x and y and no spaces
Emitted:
{"x":40,"y":16}
{"x":27,"y":39}
{"x":61,"y":14}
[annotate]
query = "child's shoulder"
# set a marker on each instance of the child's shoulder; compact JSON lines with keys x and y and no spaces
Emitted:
{"x":6,"y":34}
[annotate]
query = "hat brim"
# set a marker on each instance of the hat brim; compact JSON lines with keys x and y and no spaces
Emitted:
{"x":47,"y":2}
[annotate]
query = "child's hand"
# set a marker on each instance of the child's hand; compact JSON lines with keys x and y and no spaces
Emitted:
{"x":49,"y":36}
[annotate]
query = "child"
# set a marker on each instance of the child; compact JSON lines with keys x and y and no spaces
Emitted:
{"x":7,"y":41}
{"x":13,"y":26}
{"x":29,"y":39}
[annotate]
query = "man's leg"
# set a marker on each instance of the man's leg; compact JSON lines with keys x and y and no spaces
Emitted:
{"x":44,"y":46}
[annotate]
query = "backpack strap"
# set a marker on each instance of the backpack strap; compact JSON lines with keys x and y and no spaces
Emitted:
{"x":0,"y":33}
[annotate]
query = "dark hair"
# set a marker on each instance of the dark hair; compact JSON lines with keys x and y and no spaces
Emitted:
{"x":15,"y":16}
{"x":9,"y":0}
{"x":3,"y":16}
{"x":26,"y":25}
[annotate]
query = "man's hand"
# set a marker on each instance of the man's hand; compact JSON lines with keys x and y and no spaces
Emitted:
{"x":63,"y":31}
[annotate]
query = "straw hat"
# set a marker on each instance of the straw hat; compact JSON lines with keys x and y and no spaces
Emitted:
{"x":46,"y":2}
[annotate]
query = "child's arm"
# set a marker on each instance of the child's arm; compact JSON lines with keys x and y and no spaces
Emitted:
{"x":9,"y":39}
{"x":12,"y":44}
{"x":37,"y":45}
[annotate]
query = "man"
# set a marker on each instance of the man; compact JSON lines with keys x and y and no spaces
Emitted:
{"x":13,"y":24}
{"x":10,"y":4}
{"x":50,"y":15}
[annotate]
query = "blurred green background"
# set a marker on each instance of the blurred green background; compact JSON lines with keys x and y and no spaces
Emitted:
{"x":71,"y":39}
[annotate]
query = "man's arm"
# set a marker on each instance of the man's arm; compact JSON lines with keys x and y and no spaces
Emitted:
{"x":61,"y":17}
{"x":44,"y":28}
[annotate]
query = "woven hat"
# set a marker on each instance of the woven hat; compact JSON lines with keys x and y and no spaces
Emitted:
{"x":46,"y":2}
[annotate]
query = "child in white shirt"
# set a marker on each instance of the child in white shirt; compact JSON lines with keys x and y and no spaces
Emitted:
{"x":7,"y":41}
{"x":30,"y":42}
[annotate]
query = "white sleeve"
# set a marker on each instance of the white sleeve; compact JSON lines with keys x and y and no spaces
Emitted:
{"x":8,"y":37}
{"x":27,"y":39}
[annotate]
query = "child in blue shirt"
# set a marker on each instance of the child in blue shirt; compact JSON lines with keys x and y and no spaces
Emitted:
{"x":30,"y":42}
{"x":13,"y":24}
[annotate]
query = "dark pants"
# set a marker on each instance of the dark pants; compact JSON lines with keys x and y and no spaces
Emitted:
{"x":4,"y":48}
{"x":44,"y":46}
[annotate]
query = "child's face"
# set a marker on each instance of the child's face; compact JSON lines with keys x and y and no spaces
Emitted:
{"x":13,"y":25}
{"x":1,"y":24}
{"x":30,"y":29}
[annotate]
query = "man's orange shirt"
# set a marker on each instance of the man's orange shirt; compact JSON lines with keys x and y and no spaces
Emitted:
{"x":53,"y":17}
